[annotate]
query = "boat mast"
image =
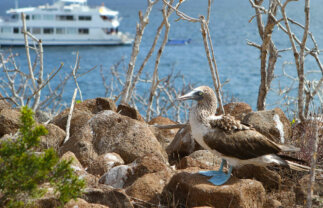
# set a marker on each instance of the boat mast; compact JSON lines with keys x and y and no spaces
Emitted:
{"x":16,"y":4}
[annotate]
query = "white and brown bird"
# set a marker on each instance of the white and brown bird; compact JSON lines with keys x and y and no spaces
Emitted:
{"x":236,"y":143}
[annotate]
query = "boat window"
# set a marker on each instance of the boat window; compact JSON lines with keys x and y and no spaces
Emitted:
{"x":6,"y":30}
{"x":107,"y":17}
{"x":110,"y":30}
{"x":48,"y":30}
{"x":48,"y":17}
{"x":83,"y":31}
{"x":15,"y":30}
{"x":14,"y":16}
{"x":85,"y":18}
{"x":36,"y":17}
{"x":60,"y":30}
{"x":71,"y":30}
{"x":27,"y":17}
{"x":22,"y":29}
{"x":65,"y":17}
{"x":36,"y":30}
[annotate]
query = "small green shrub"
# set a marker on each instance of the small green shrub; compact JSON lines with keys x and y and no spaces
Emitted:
{"x":22,"y":170}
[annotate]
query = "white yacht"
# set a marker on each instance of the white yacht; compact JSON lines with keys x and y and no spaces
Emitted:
{"x":65,"y":22}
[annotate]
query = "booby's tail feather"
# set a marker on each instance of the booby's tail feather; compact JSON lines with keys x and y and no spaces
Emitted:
{"x":288,"y":148}
{"x":289,"y":158}
{"x":298,"y":167}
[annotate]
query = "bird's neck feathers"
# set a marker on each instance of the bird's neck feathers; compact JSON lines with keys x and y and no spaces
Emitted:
{"x":205,"y":109}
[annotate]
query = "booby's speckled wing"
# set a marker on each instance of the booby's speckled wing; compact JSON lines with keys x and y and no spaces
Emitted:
{"x":227,"y":123}
{"x":237,"y":140}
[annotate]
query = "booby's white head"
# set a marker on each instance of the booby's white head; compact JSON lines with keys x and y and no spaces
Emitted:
{"x":205,"y":97}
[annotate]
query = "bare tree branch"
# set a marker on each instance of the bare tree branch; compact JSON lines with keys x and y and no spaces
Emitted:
{"x":70,"y":117}
{"x":143,"y":21}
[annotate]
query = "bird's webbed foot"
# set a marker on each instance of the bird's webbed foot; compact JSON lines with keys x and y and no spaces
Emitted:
{"x":218,"y":177}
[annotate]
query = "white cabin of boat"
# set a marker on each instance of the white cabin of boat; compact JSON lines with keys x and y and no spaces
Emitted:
{"x":66,"y":22}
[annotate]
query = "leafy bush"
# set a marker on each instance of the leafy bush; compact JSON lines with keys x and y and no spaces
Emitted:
{"x":23,"y":170}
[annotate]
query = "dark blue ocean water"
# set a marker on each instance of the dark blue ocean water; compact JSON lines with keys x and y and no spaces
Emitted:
{"x":237,"y":62}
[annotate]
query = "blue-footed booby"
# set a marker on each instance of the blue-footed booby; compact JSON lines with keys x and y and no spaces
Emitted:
{"x":234,"y":142}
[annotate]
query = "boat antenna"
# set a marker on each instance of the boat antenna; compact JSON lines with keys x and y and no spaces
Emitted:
{"x":16,"y":4}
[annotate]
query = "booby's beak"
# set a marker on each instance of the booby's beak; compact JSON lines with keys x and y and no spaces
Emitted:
{"x":193,"y":95}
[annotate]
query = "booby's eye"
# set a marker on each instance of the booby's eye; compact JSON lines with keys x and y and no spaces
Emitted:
{"x":200,"y":93}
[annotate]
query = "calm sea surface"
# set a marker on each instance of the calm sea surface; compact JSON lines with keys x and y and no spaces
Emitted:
{"x":237,"y":62}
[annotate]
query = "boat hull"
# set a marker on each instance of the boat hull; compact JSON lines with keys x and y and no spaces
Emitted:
{"x":53,"y":42}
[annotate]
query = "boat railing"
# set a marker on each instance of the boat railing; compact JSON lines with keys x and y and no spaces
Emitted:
{"x":8,"y":19}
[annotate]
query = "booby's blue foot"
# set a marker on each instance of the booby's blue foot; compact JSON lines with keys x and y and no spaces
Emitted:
{"x":218,"y":176}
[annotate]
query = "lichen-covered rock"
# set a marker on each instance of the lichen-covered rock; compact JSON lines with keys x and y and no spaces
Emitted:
{"x":206,"y":157}
{"x":81,"y":203}
{"x":127,"y":110}
{"x":192,"y":189}
{"x":80,"y":117}
{"x":96,"y":105}
{"x":42,"y":116}
{"x":202,"y":159}
{"x":196,"y":188}
{"x":107,"y":196}
{"x":187,"y":162}
{"x":270,"y":179}
{"x":272,"y":123}
{"x":304,"y":138}
{"x":81,"y":145}
{"x":54,"y":138}
{"x":47,"y":202}
{"x":149,"y":187}
{"x":117,"y":176}
{"x":9,"y":121}
{"x":4,"y":104}
{"x":318,"y":185}
{"x":238,"y":109}
{"x":104,"y":163}
{"x":124,"y":175}
{"x":129,"y":138}
{"x":78,"y":169}
{"x":272,"y":203}
{"x":164,"y":136}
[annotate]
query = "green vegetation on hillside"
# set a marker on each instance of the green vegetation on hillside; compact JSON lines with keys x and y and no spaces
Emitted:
{"x":23,"y":170}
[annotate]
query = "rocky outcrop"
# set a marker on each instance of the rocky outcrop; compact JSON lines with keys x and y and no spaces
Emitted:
{"x":81,"y":203}
{"x":272,"y":123}
{"x":81,"y":145}
{"x":124,"y":162}
{"x":107,"y":196}
{"x":126,"y":110}
{"x":54,"y":138}
{"x":96,"y":105}
{"x":206,"y":157}
{"x":42,"y":116}
{"x":318,"y":186}
{"x":4,"y":104}
{"x":124,"y":175}
{"x":202,"y":159}
{"x":104,"y":163}
{"x":190,"y":189}
{"x":188,"y":162}
{"x":91,"y":180}
{"x":80,"y":117}
{"x":164,"y":136}
{"x":149,"y":187}
{"x":9,"y":121}
{"x":127,"y":137}
{"x":270,"y":179}
{"x":144,"y":179}
{"x":238,"y":110}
